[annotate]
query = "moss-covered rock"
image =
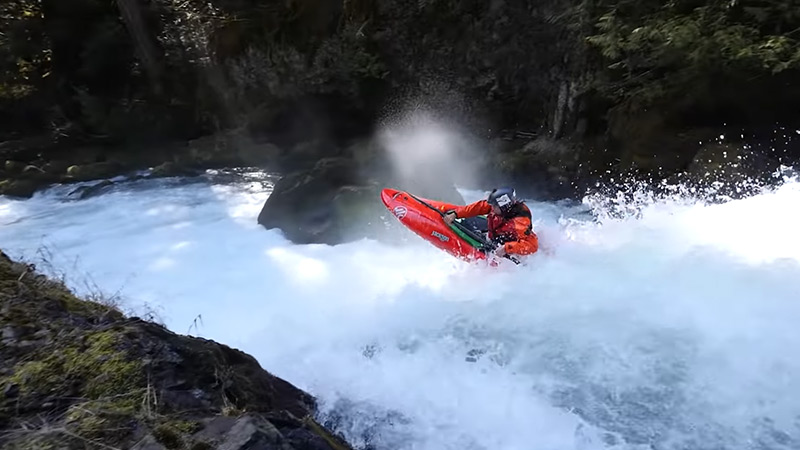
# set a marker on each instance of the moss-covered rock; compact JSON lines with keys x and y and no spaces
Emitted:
{"x":56,"y":167}
{"x":76,"y":374}
{"x":93,"y":171}
{"x":14,"y":167}
{"x":172,"y":169}
{"x":19,"y":188}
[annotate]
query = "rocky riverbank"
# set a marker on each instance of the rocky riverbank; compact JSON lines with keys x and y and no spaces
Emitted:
{"x":33,"y":164}
{"x":76,"y":374}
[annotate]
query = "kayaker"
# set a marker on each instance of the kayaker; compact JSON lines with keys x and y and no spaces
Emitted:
{"x":508,"y":220}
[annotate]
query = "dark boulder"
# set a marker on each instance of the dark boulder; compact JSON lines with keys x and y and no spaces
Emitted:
{"x":14,"y":167}
{"x":171,"y":169}
{"x":338,"y":200}
{"x":331,"y":203}
{"x":84,"y":192}
{"x":93,"y":171}
{"x":23,"y":188}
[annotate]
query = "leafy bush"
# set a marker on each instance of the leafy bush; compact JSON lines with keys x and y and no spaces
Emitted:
{"x":653,"y":49}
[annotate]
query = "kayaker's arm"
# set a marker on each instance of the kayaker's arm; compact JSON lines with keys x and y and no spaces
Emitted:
{"x":521,"y":247}
{"x":479,"y":208}
{"x":528,"y":242}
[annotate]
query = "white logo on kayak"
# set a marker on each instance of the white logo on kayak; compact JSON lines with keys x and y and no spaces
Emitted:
{"x":400,"y":211}
{"x":441,"y":237}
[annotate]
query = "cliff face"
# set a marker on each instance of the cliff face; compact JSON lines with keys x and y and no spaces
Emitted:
{"x":77,"y":374}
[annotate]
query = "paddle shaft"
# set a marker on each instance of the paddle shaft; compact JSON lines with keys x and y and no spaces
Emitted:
{"x":466,"y":230}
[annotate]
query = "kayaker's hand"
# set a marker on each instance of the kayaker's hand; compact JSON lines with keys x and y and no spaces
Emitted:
{"x":449,"y":217}
{"x":501,"y":251}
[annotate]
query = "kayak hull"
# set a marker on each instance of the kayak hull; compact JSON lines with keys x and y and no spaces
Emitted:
{"x":427,"y":223}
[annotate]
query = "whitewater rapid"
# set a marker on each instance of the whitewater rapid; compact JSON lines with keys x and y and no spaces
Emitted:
{"x":675,"y":327}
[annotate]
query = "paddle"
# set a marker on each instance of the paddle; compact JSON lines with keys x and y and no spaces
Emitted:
{"x":466,"y":230}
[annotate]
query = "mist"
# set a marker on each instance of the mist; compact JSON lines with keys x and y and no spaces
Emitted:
{"x":430,"y":153}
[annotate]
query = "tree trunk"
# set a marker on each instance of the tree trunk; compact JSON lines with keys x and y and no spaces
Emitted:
{"x":147,"y":49}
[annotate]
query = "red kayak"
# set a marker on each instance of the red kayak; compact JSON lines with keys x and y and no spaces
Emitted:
{"x":424,"y":217}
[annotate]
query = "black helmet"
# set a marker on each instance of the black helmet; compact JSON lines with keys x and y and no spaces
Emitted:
{"x":502,"y":197}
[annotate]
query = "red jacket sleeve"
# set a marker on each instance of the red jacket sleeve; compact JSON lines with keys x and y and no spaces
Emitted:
{"x":473,"y":209}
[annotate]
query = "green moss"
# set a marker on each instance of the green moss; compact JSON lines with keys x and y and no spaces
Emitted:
{"x":97,"y":365}
{"x":9,"y":283}
{"x":32,"y":374}
{"x":167,"y":435}
{"x":117,"y":374}
{"x":108,"y":421}
{"x":187,"y":426}
{"x":94,"y":368}
{"x":36,"y":441}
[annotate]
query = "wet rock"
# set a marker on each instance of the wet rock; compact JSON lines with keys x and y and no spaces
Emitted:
{"x":14,"y":166}
{"x":211,"y":151}
{"x":251,"y":432}
{"x":56,"y":167}
{"x":305,"y":154}
{"x":32,"y":170}
{"x":172,"y":169}
{"x":337,"y":201}
{"x":85,"y":192}
{"x":328,"y":204}
{"x":94,"y":171}
{"x":36,"y":175}
{"x":11,"y":390}
{"x":269,"y":431}
{"x":24,"y":188}
{"x":9,"y":333}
